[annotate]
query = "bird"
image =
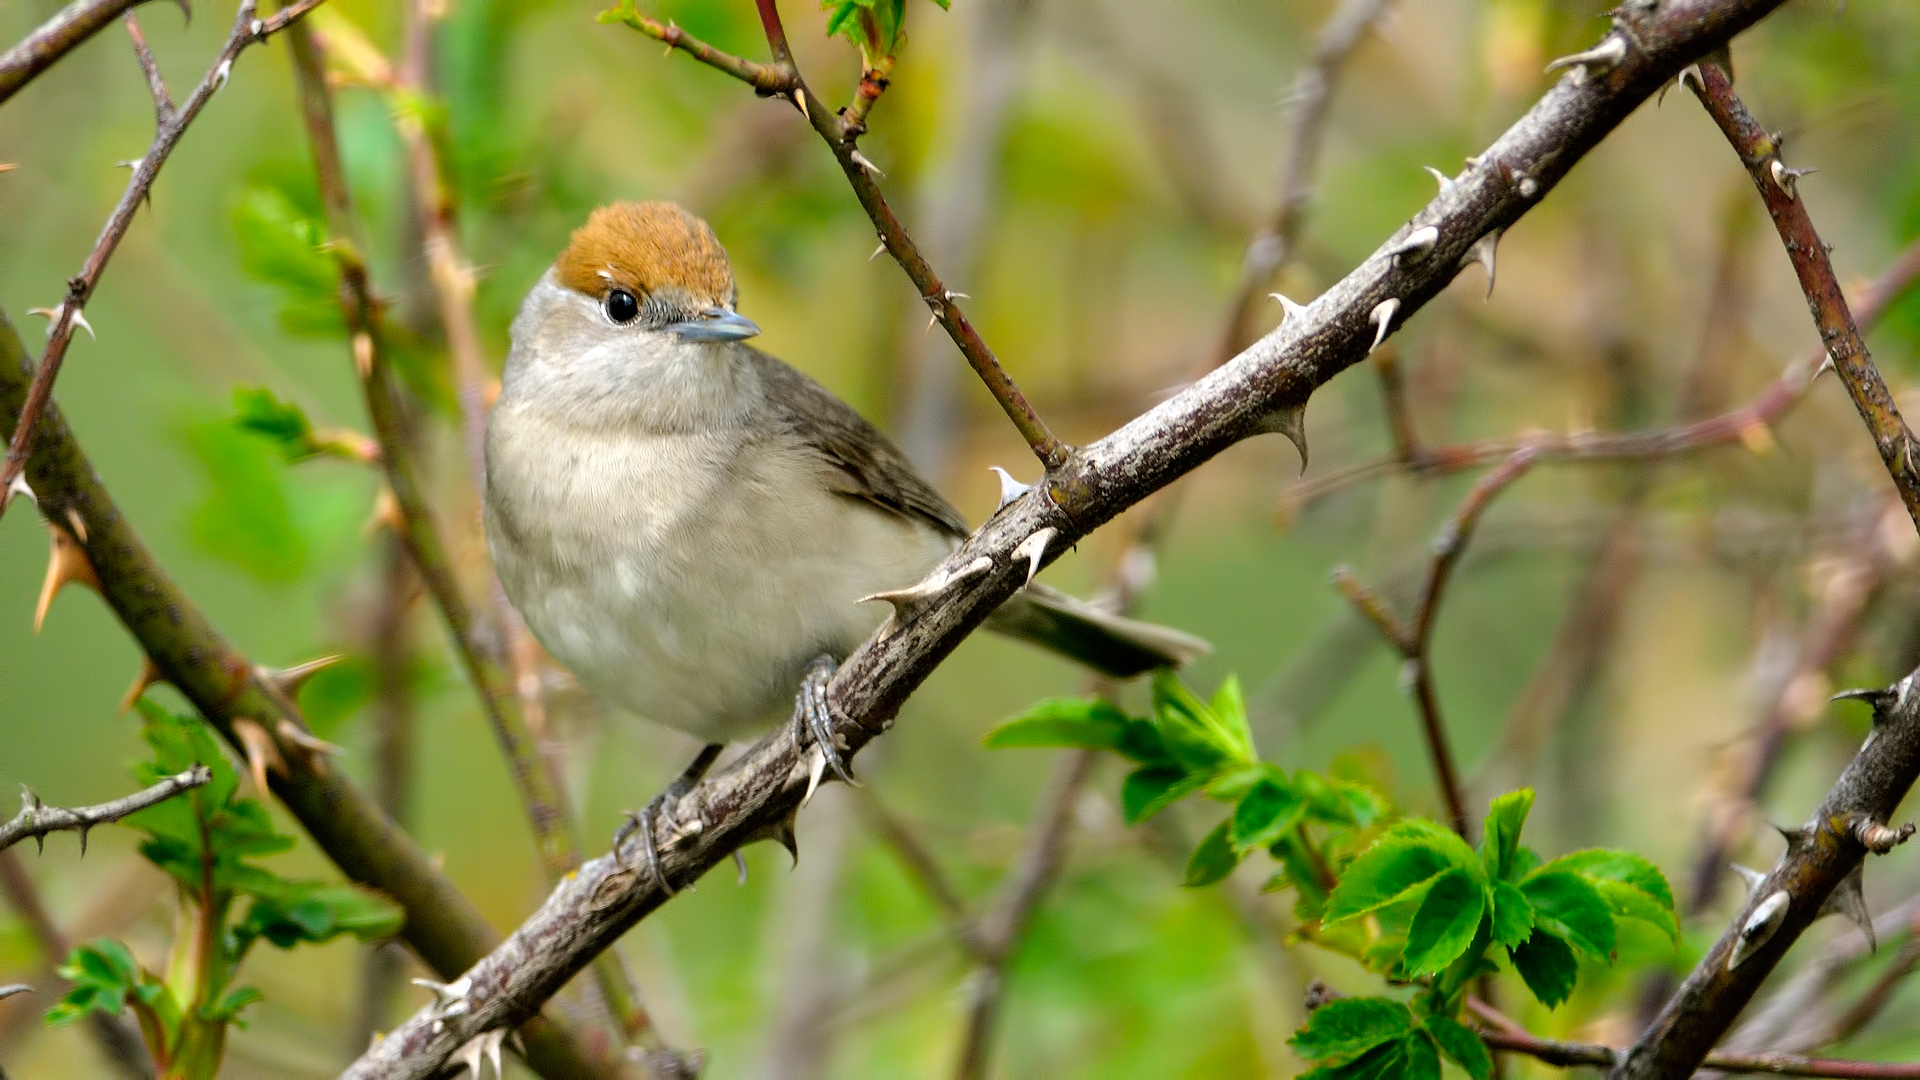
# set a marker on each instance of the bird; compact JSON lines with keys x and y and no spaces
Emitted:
{"x":695,"y":529}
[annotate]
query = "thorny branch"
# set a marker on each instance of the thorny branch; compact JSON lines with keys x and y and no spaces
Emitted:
{"x":1748,"y":423}
{"x":841,"y":130}
{"x":56,"y":37}
{"x":1822,"y":866}
{"x":1415,"y":641}
{"x":36,"y":819}
{"x":237,"y":696}
{"x":1512,"y":1037}
{"x":756,"y":796}
{"x":247,"y":30}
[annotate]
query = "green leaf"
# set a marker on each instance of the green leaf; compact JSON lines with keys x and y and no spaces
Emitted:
{"x":288,"y":913}
{"x":841,"y":13}
{"x":1234,"y":784}
{"x":1572,"y":908}
{"x":245,"y":516}
{"x":1547,"y":965}
{"x":1193,"y":734}
{"x":1266,"y":811}
{"x":1147,"y":791}
{"x":1344,"y":1029}
{"x":1423,"y":1061}
{"x":1092,"y":723}
{"x":1229,"y":707}
{"x":1141,"y":742}
{"x":1405,"y":858}
{"x":1512,"y":915}
{"x":1214,"y":859}
{"x":283,"y":423}
{"x":1633,"y":887}
{"x":1460,"y":1044}
{"x":1444,"y":926}
{"x":103,"y":973}
{"x":1501,"y":838}
{"x":283,"y":247}
{"x":228,"y":1007}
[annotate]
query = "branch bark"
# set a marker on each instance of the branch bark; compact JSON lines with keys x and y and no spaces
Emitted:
{"x":55,"y":38}
{"x":756,"y":796}
{"x":36,"y":819}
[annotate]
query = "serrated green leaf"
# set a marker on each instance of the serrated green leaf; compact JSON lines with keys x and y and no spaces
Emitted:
{"x":1092,"y":722}
{"x":1229,"y":708}
{"x":1423,"y":1060}
{"x":1267,"y":810}
{"x":1147,"y":791}
{"x":283,"y":247}
{"x":1572,"y":908}
{"x":288,"y":913}
{"x":1500,"y":840}
{"x":1512,"y":915}
{"x":1405,"y":858}
{"x":841,"y":13}
{"x":1214,"y":859}
{"x":1445,"y":923}
{"x":282,"y":423}
{"x":1547,"y":965}
{"x":1460,"y":1044}
{"x":1193,"y":734}
{"x":1347,"y":1028}
{"x":1633,"y":887}
{"x":1234,"y":784}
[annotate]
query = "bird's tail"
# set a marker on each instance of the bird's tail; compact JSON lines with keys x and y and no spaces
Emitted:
{"x":1110,"y":644}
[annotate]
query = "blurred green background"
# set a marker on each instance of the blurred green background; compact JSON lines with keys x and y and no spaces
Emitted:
{"x":1134,"y":158}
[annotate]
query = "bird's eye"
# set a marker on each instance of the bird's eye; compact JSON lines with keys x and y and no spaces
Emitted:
{"x":622,"y":307}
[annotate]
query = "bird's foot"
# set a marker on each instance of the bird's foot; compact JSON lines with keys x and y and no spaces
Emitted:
{"x":812,"y":719}
{"x":641,"y":821}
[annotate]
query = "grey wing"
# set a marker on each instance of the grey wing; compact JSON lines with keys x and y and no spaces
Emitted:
{"x":865,"y":463}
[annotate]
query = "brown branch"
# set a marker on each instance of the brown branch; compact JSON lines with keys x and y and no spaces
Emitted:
{"x":1744,"y":423}
{"x":55,"y":38}
{"x":1846,"y":350}
{"x":1576,"y":1055}
{"x":247,"y":30}
{"x":156,"y":83}
{"x":755,"y":796}
{"x":36,"y":819}
{"x":783,"y":78}
{"x":1414,"y":641}
{"x":442,"y":926}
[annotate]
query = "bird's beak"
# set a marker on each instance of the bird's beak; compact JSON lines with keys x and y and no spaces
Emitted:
{"x":716,"y":324}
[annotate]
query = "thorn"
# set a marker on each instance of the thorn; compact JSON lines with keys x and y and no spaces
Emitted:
{"x":740,"y":864}
{"x":1752,"y":877}
{"x":860,"y":159}
{"x":14,"y":988}
{"x":1879,"y":698}
{"x":130,"y":163}
{"x":1876,"y":837}
{"x":258,"y":28}
{"x":19,"y":487}
{"x":1010,"y":489}
{"x":8,"y":166}
{"x":931,"y":319}
{"x":1602,"y":57}
{"x":1291,"y":422}
{"x":800,"y":101}
{"x":909,"y":600}
{"x":289,"y":680}
{"x":482,"y":1047}
{"x":1382,"y":320}
{"x":814,"y":773}
{"x":1699,"y":81}
{"x":877,"y":251}
{"x":1033,"y":549}
{"x":75,"y":522}
{"x":306,"y":740}
{"x":80,"y":320}
{"x":1849,"y":901}
{"x":1787,"y":180}
{"x":449,"y":999}
{"x":1483,"y":252}
{"x":149,"y":675}
{"x":66,"y":564}
{"x":1288,"y":309}
{"x":262,"y":753}
{"x":952,"y":296}
{"x":1445,"y":181}
{"x":52,"y":315}
{"x":1416,"y":245}
{"x":1796,"y":838}
{"x":363,"y":353}
{"x":386,"y":514}
{"x":1759,"y":927}
{"x":221,"y":74}
{"x":186,"y":10}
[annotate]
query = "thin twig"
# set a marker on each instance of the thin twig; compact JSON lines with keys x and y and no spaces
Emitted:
{"x":1414,"y":641}
{"x":156,"y":83}
{"x":247,"y":30}
{"x":755,"y":796}
{"x":783,"y":78}
{"x":1595,"y":1055}
{"x":1846,"y":350}
{"x":36,"y":819}
{"x":1748,"y":422}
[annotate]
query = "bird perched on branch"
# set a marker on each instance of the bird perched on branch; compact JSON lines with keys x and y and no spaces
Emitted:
{"x":696,"y":529}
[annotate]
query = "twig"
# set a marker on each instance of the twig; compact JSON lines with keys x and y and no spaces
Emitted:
{"x":55,"y":38}
{"x":1000,"y":928}
{"x":1575,"y":1055}
{"x":247,"y":30}
{"x":1743,"y":423}
{"x":754,"y":797}
{"x":782,"y":78}
{"x":1846,"y":350}
{"x":36,"y":819}
{"x":442,"y":926}
{"x":156,"y":83}
{"x":1873,"y":1000}
{"x":1309,"y":101}
{"x":1414,"y":640}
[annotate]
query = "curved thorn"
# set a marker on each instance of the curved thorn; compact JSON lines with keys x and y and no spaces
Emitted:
{"x":1288,"y":309}
{"x":1416,"y":245}
{"x":1382,"y":320}
{"x":1010,"y":489}
{"x":1033,"y":549}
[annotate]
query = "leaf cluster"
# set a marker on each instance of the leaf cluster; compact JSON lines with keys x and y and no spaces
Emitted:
{"x":873,"y":25}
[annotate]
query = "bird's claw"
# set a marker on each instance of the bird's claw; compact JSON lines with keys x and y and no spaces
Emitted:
{"x":812,"y":719}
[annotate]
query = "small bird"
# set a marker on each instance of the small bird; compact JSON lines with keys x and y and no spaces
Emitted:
{"x":690,"y":526}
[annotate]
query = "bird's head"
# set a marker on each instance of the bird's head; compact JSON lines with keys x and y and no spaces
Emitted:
{"x":652,"y":267}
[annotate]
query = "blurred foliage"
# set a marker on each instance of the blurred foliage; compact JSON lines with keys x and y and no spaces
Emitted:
{"x":1100,"y":280}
